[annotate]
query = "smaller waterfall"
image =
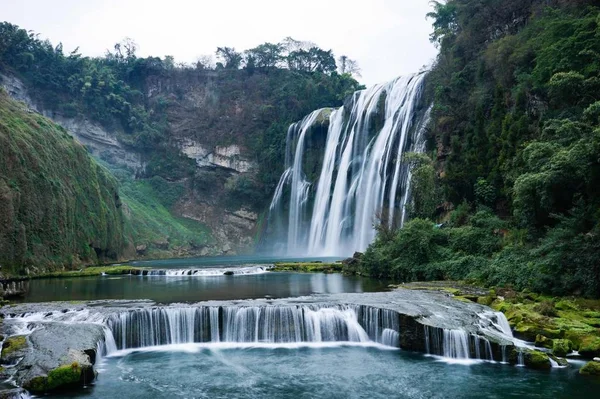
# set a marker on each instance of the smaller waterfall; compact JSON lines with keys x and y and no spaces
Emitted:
{"x":266,"y":324}
{"x":376,"y":321}
{"x":206,"y":272}
{"x":502,"y":324}
{"x":456,"y":344}
{"x":390,"y":337}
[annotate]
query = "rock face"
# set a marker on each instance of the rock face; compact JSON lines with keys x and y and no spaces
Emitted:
{"x":228,"y":157}
{"x":233,"y":228}
{"x":101,"y":143}
{"x":54,"y":356}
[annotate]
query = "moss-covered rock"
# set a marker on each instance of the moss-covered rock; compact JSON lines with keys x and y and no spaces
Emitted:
{"x":566,"y":305}
{"x":308,"y":267}
{"x":543,"y":342}
{"x":57,"y":205}
{"x":70,"y":375}
{"x":485,"y":300}
{"x":591,"y":368}
{"x":590,"y":347}
{"x":12,"y":345}
{"x":561,"y":347}
{"x":536,"y":360}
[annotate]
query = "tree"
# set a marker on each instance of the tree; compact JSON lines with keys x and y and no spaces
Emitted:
{"x":313,"y":60}
{"x":349,"y":66}
{"x":444,"y":16}
{"x":205,"y":61}
{"x":264,"y":56}
{"x":230,"y":59}
{"x":289,"y":45}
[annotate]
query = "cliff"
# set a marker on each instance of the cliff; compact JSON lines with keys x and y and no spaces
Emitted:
{"x":58,"y":207}
{"x":196,"y":151}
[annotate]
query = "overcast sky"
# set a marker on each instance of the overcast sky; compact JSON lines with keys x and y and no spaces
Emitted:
{"x":388,"y":38}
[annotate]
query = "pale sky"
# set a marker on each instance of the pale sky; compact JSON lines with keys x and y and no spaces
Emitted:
{"x":388,"y":38}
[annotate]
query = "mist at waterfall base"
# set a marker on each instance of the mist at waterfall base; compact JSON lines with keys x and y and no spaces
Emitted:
{"x":337,"y":183}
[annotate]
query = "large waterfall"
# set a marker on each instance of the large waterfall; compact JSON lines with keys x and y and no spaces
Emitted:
{"x":334,"y":199}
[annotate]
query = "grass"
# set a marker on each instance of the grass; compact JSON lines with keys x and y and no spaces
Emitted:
{"x":312,"y":267}
{"x":90,"y":271}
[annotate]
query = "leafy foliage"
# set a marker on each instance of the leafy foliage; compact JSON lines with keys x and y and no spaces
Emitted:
{"x":516,"y":94}
{"x":254,"y":95}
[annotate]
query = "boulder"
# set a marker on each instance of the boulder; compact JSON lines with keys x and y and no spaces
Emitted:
{"x":13,"y":349}
{"x":58,"y":356}
{"x":543,"y":341}
{"x":561,"y":347}
{"x":536,"y":360}
{"x":591,"y":368}
{"x":141,"y":249}
{"x":590,"y":347}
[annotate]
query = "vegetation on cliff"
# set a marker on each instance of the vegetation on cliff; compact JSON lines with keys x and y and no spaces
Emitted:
{"x":514,"y":142}
{"x":58,"y":207}
{"x":250,"y":97}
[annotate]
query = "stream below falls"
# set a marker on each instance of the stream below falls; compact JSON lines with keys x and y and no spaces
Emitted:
{"x":319,"y":371}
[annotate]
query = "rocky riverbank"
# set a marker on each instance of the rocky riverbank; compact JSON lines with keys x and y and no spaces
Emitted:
{"x":562,"y":326}
{"x":53,"y":346}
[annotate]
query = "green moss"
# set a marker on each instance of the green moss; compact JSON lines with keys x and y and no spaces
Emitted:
{"x":308,"y":267}
{"x":60,"y":377}
{"x":590,"y":368}
{"x":92,"y":271}
{"x":36,"y":384}
{"x":64,"y":376}
{"x":536,"y":360}
{"x":589,"y":346}
{"x":560,"y":347}
{"x":12,"y":344}
{"x":543,"y":342}
{"x":566,"y":305}
{"x":59,"y":207}
{"x":485,"y":300}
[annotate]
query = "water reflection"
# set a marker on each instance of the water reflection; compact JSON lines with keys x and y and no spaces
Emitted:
{"x":170,"y":289}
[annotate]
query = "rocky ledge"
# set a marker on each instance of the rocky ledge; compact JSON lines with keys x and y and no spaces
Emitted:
{"x":51,"y":357}
{"x":52,"y":346}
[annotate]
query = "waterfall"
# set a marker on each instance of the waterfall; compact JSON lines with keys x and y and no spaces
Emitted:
{"x":362,"y":175}
{"x":205,"y":272}
{"x":252,"y":324}
{"x":390,"y":338}
{"x":299,"y":184}
{"x":457,"y":344}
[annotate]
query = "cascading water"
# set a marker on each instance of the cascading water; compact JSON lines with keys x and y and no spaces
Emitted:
{"x":362,"y":175}
{"x":206,"y":272}
{"x":253,"y":324}
{"x":457,"y":344}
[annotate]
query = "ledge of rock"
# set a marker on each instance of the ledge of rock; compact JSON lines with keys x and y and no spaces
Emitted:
{"x":54,"y":356}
